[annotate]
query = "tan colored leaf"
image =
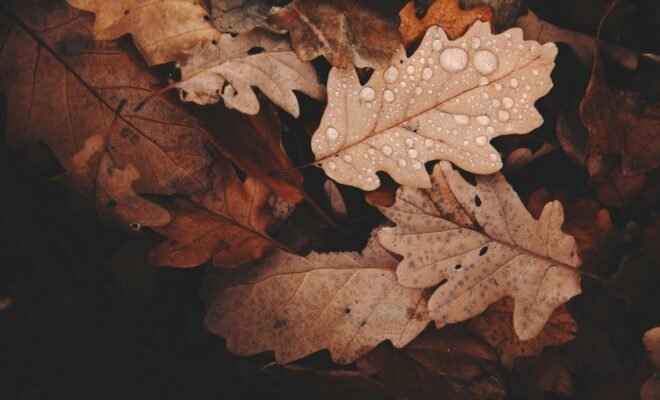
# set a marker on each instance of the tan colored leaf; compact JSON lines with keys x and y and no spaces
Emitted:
{"x":495,"y":326}
{"x":227,"y":224}
{"x":449,"y":364}
{"x":445,"y":13}
{"x":446,"y":102}
{"x":522,"y":156}
{"x":240,"y":16}
{"x":335,"y":199}
{"x":345,"y":32}
{"x":294,"y":306}
{"x":229,"y":71}
{"x":162,"y":29}
{"x":651,"y":388}
{"x":485,"y":244}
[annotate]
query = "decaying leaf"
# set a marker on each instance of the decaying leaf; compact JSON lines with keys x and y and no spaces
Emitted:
{"x":294,"y":306}
{"x":495,"y":327}
{"x":445,"y":102}
{"x":162,"y":29}
{"x":240,"y":16}
{"x":71,"y":93}
{"x":335,"y":199}
{"x":482,"y":241}
{"x":549,"y":372}
{"x":505,"y":12}
{"x":651,"y":388}
{"x":522,"y":156}
{"x":448,"y":363}
{"x":227,"y":224}
{"x":229,"y":70}
{"x":584,"y":46}
{"x":345,"y":32}
{"x":445,"y":13}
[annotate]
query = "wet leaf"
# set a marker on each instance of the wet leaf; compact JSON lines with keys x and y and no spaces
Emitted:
{"x":240,"y":16}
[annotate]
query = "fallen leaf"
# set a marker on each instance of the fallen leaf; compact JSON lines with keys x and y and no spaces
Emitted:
{"x":240,"y":16}
{"x":651,"y":388}
{"x":492,"y":248}
{"x":162,"y":29}
{"x":446,"y":107}
{"x":522,"y":156}
{"x":505,"y":12}
{"x":495,"y":326}
{"x":449,"y":363}
{"x":335,"y":199}
{"x":294,"y":306}
{"x":445,"y":13}
{"x":550,"y":372}
{"x":584,"y":46}
{"x":345,"y":32}
{"x":228,"y":224}
{"x":229,"y":70}
{"x":69,"y":92}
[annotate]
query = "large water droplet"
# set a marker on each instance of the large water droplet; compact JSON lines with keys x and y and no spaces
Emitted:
{"x":483,"y":120}
{"x":485,"y":62}
{"x":391,"y":74}
{"x":402,"y":162}
{"x":461,"y":119}
{"x":332,"y":165}
{"x":507,"y":102}
{"x":481,"y":140}
{"x":417,"y":165}
{"x":387,"y":150}
{"x":476,"y":42}
{"x":412,"y":153}
{"x":453,"y":59}
{"x":331,"y":133}
{"x":503,"y":115}
{"x":388,"y":96}
{"x":513,"y":82}
{"x":418,"y":90}
{"x":410,"y":69}
{"x":410,"y":142}
{"x":493,"y":157}
{"x":367,"y":94}
{"x":427,"y":73}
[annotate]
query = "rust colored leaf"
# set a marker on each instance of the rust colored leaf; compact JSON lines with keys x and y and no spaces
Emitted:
{"x":446,"y":13}
{"x":495,"y":326}
{"x":294,"y":306}
{"x":345,"y":32}
{"x":240,"y":16}
{"x":448,"y":363}
{"x":162,"y":29}
{"x":651,"y":388}
{"x":227,"y":224}
{"x":492,"y":248}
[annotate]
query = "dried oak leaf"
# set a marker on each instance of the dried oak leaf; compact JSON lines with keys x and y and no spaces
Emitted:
{"x":445,"y":13}
{"x":162,"y":29}
{"x":449,"y":363}
{"x":294,"y":306}
{"x":345,"y":32}
{"x":229,"y":70}
{"x":482,"y":241}
{"x":444,"y":102}
{"x":240,"y":16}
{"x":495,"y":326}
{"x":227,"y":224}
{"x":72,"y":93}
{"x":651,"y":388}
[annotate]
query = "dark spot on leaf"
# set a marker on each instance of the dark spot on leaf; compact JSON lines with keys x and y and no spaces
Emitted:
{"x":207,"y":18}
{"x":458,"y":266}
{"x":214,"y":42}
{"x":280,"y":323}
{"x":111,"y":204}
{"x":347,"y":310}
{"x":74,"y":45}
{"x":126,"y":12}
{"x":483,"y":250}
{"x":477,"y":200}
{"x":125,"y":133}
{"x":255,"y":50}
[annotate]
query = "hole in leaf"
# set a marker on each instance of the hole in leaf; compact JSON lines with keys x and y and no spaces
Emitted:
{"x":364,"y":74}
{"x":135,"y":226}
{"x":255,"y":50}
{"x":207,"y":18}
{"x":458,"y":266}
{"x":347,"y":310}
{"x":214,"y":42}
{"x":126,"y":12}
{"x":483,"y":250}
{"x":477,"y":200}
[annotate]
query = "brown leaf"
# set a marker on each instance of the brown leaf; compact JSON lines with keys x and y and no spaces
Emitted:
{"x":505,"y":12}
{"x":492,"y":248}
{"x":227,"y":224}
{"x":550,"y":372}
{"x":68,"y":88}
{"x":522,"y":156}
{"x":651,"y":388}
{"x":495,"y":326}
{"x":445,"y":13}
{"x":345,"y":32}
{"x":294,"y":306}
{"x":162,"y":29}
{"x":446,"y":108}
{"x":447,"y":363}
{"x":240,"y":16}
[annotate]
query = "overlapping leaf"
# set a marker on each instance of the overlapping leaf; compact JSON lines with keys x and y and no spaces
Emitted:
{"x":480,"y":244}
{"x":445,"y":102}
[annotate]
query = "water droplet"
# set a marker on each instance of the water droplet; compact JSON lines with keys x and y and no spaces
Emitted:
{"x":348,"y":158}
{"x":485,"y":62}
{"x":498,"y":87}
{"x":461,"y":119}
{"x":412,"y":153}
{"x":503,"y":115}
{"x":417,"y":165}
{"x":483,"y":81}
{"x":331,"y":133}
{"x":485,"y":96}
{"x":410,"y":142}
{"x":437,"y":44}
{"x":332,"y":165}
{"x":410,"y":69}
{"x":402,"y":162}
{"x":535,"y":72}
{"x":402,"y":83}
{"x":493,"y":157}
{"x":387,"y":150}
{"x":454,"y":59}
{"x":466,"y":143}
{"x":427,"y":73}
{"x":507,"y":101}
{"x":428,"y":143}
{"x":418,"y":90}
{"x":495,"y":103}
{"x":481,"y":140}
{"x":476,"y":42}
{"x":371,"y":152}
{"x":388,"y":96}
{"x":513,"y":82}
{"x":391,"y":74}
{"x":490,"y":130}
{"x":367,"y":94}
{"x":483,"y":120}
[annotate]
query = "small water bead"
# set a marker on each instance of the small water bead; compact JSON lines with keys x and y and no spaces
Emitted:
{"x":485,"y":62}
{"x":428,"y":143}
{"x":490,"y":130}
{"x":437,"y":44}
{"x":461,"y":119}
{"x":476,"y":42}
{"x":388,"y":96}
{"x":498,"y":87}
{"x":466,"y":143}
{"x":485,"y":96}
{"x":495,"y":103}
{"x":387,"y":150}
{"x":493,"y":157}
{"x":417,"y":165}
{"x":483,"y":81}
{"x":481,"y":140}
{"x":371,"y":152}
{"x":483,"y":120}
{"x":410,"y":69}
{"x":348,"y":158}
{"x":402,"y":162}
{"x":535,"y":72}
{"x":402,"y":83}
{"x":427,"y":73}
{"x":332,"y":165}
{"x":410,"y":142}
{"x":418,"y":90}
{"x":412,"y":153}
{"x":391,"y":74}
{"x":503,"y":115}
{"x":508,"y":102}
{"x":453,"y":59}
{"x":367,"y":94}
{"x":331,"y":133}
{"x":513,"y":82}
